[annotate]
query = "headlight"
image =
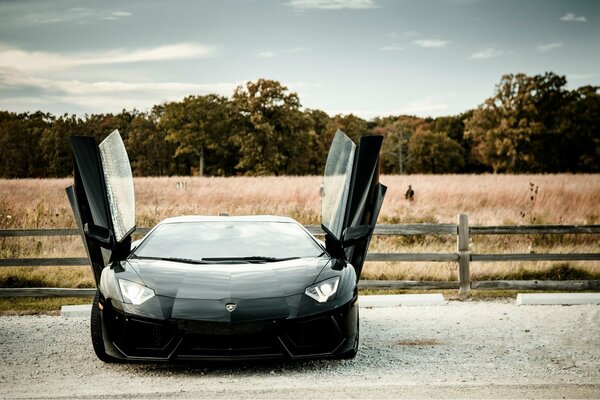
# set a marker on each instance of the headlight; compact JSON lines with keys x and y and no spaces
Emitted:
{"x":134,"y":293}
{"x":322,"y":291}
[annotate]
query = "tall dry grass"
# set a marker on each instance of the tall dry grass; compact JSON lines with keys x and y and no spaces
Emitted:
{"x":488,"y":199}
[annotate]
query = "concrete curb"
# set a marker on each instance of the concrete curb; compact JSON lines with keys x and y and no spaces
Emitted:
{"x":78,"y":311}
{"x":402,"y":300}
{"x":524,"y":299}
{"x":374,"y":301}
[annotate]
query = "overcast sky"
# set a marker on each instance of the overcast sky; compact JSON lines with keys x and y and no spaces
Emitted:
{"x":367,"y":57}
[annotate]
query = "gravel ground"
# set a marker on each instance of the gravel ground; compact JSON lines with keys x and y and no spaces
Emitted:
{"x":461,"y":350}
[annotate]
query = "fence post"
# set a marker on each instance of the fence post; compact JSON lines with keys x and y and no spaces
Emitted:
{"x":464,"y":256}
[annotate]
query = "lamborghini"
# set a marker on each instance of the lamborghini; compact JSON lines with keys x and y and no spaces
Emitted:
{"x":225,"y":287}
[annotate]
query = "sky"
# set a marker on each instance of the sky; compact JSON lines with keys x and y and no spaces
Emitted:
{"x":366,"y":57}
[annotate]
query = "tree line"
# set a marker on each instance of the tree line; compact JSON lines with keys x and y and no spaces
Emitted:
{"x":531,"y":124}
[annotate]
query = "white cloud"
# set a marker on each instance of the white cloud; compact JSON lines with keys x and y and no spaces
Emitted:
{"x":550,"y":46}
{"x":102,"y":96}
{"x":76,"y":87}
{"x":431,"y":43}
{"x":266,"y":54}
{"x":121,"y":14}
{"x":50,"y":16}
{"x":391,"y":48}
{"x":332,"y":4}
{"x":115,"y":15}
{"x":38,"y":61}
{"x":488,"y":53}
{"x":572,"y":17}
{"x":77,"y":15}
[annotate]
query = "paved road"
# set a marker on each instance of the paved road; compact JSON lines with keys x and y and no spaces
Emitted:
{"x":461,"y":350}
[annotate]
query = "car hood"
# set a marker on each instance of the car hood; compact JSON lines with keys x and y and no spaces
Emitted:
{"x":219,"y":281}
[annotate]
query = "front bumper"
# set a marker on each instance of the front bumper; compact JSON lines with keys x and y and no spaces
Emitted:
{"x":323,"y":335}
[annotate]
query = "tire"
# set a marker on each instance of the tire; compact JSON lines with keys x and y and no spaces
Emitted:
{"x":96,"y":331}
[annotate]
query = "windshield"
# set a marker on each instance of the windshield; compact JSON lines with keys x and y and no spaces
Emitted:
{"x":225,"y":240}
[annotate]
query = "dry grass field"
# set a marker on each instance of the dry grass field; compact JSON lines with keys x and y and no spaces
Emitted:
{"x":487,"y":199}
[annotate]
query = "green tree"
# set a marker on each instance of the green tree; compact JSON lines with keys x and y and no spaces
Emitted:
{"x":318,"y":140}
{"x":507,"y":128}
{"x":454,"y":127}
{"x":434,"y":153}
{"x":20,"y":152}
{"x":56,"y":147}
{"x":350,"y":124}
{"x":102,"y":125}
{"x":149,"y":153}
{"x":271,"y":131}
{"x":579,"y":149}
{"x":200,"y":127}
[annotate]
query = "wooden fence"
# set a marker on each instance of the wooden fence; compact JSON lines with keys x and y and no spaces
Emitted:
{"x":462,"y":256}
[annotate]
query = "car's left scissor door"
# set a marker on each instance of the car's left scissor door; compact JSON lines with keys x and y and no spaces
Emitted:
{"x":102,"y":198}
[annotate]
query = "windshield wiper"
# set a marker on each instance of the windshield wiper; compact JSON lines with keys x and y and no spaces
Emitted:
{"x":174,"y":259}
{"x":251,"y":259}
{"x":267,"y":259}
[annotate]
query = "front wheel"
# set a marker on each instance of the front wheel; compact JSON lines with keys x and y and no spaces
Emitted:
{"x":96,"y":331}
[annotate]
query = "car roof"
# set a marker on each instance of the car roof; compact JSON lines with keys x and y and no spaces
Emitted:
{"x":237,"y":218}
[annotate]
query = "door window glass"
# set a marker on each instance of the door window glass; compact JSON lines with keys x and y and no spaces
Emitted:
{"x":336,"y":183}
{"x":119,"y":184}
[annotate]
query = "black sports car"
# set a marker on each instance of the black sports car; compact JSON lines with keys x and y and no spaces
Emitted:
{"x":225,"y":287}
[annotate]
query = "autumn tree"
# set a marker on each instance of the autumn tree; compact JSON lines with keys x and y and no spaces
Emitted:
{"x":397,"y":132}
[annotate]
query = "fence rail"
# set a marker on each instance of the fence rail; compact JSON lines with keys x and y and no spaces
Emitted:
{"x":388,"y":229}
{"x":462,"y":256}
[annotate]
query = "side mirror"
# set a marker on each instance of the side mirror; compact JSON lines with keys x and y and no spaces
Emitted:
{"x":355,"y":234}
{"x":98,"y":233}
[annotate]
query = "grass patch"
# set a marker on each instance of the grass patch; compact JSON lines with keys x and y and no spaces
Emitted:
{"x":38,"y":305}
{"x":560,"y":272}
{"x":27,"y":277}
